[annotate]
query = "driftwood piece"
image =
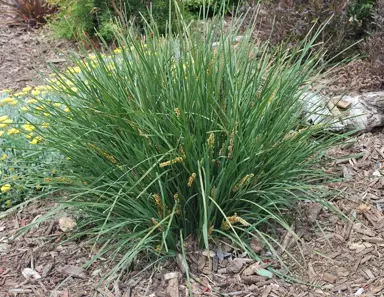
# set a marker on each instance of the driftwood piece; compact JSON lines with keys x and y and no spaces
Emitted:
{"x":360,"y":112}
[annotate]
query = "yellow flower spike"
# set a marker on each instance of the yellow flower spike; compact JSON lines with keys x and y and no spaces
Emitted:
{"x":35,"y":92}
{"x":66,"y":109}
{"x":29,"y":136}
{"x":1,"y":133}
{"x":27,"y":89}
{"x":3,"y":118}
{"x":118,"y":51}
{"x":56,"y":104}
{"x":42,"y":88}
{"x":45,"y":125}
{"x":28,"y":127}
{"x":46,"y":114}
{"x":36,"y":140}
{"x":24,"y":108}
{"x":12,"y":131}
{"x":3,"y":157}
{"x":75,"y":69}
{"x":10,"y":100}
{"x":6,"y":188}
{"x":74,"y":89}
{"x":31,"y":101}
{"x":20,"y":94}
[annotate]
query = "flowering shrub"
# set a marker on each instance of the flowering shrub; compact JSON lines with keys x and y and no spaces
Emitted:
{"x":25,"y":167}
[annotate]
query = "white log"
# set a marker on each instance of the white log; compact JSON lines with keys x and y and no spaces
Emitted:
{"x":365,"y":113}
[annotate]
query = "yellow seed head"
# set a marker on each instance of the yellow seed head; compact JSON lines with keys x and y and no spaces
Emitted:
{"x":213,"y":192}
{"x":171,"y":162}
{"x":158,"y":204}
{"x":227,"y":223}
{"x":177,"y":111}
{"x":244,"y":180}
{"x":191,"y":180}
{"x":155,"y":222}
{"x":211,"y":141}
{"x":210,"y":229}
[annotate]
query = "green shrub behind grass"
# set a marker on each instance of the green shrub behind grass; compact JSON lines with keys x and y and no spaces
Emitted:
{"x":77,"y":18}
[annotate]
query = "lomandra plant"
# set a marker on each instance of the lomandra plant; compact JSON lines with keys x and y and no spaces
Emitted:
{"x":189,"y":135}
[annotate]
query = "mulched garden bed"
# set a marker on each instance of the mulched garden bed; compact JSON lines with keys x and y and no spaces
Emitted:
{"x":331,"y":256}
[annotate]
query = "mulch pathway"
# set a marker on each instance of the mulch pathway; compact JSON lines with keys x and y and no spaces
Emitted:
{"x":330,"y":255}
{"x":24,"y":53}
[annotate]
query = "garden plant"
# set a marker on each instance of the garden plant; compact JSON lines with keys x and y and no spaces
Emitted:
{"x":178,"y":136}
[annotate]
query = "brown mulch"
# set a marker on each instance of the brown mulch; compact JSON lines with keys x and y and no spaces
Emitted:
{"x":331,"y":255}
{"x":24,"y":53}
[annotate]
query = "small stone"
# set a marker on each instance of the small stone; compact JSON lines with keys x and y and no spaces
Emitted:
{"x":171,"y":275}
{"x":47,"y":269}
{"x":210,"y":253}
{"x":67,"y":224}
{"x":235,"y":265}
{"x":4,"y":248}
{"x":257,"y":245}
{"x":73,"y":271}
{"x":330,"y":278}
{"x":250,"y":270}
{"x":29,"y":273}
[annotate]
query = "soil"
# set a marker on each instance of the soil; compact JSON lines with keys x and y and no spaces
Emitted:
{"x":25,"y":54}
{"x":331,"y":255}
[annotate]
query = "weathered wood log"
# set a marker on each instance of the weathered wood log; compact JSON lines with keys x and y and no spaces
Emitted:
{"x":364,"y":112}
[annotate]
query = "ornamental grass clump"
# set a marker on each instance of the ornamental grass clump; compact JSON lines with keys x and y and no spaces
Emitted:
{"x":186,"y":135}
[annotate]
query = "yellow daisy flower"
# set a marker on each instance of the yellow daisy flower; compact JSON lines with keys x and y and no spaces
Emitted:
{"x":12,"y":131}
{"x":6,"y":188}
{"x":28,"y":127}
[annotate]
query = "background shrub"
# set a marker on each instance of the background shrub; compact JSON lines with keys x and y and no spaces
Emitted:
{"x":375,"y":44}
{"x":348,"y":22}
{"x":99,"y":17}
